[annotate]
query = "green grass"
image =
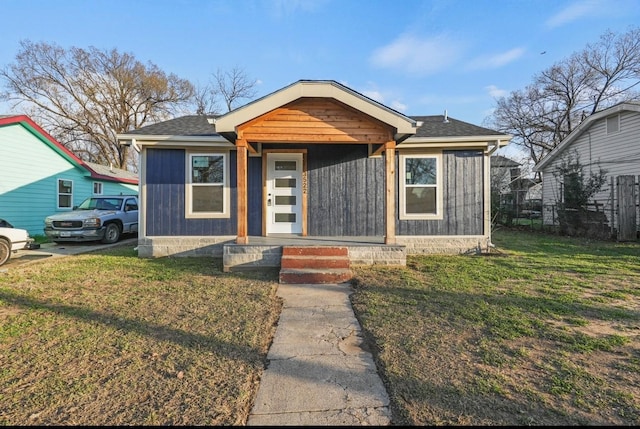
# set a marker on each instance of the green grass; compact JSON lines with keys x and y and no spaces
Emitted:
{"x":527,"y":335}
{"x":544,"y":331}
{"x":111,"y":339}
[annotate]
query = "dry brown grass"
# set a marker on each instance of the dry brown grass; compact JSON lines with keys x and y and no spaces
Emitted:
{"x":111,"y":339}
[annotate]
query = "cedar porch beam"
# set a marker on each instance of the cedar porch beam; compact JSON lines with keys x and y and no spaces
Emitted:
{"x":241,"y":166}
{"x":390,"y":181}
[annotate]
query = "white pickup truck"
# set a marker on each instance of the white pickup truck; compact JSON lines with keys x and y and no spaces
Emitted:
{"x":99,"y":218}
{"x":11,"y":240}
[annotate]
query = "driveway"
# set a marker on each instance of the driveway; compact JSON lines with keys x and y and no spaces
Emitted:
{"x":53,"y":250}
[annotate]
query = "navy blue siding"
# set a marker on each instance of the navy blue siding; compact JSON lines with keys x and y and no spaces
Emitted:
{"x":254,"y":196}
{"x":165,"y":189}
{"x":463,"y":198}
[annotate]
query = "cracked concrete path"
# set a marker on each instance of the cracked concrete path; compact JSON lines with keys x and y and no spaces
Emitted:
{"x":319,"y":373}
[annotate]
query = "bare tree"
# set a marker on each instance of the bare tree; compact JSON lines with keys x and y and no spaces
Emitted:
{"x":226,"y":87}
{"x":84,"y":97}
{"x":545,"y":112}
{"x":234,"y":85}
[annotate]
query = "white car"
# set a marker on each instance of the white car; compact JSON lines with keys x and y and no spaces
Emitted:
{"x":11,"y":240}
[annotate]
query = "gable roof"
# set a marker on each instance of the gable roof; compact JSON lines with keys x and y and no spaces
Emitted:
{"x":412,"y":130}
{"x":226,"y":124}
{"x":582,"y":128}
{"x":93,"y":170}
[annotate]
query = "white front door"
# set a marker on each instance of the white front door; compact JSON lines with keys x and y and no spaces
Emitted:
{"x":284,"y":193}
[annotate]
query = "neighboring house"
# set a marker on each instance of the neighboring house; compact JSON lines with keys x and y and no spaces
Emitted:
{"x":511,"y":188}
{"x":315,"y":160}
{"x":609,"y":139}
{"x":504,"y":174}
{"x":39,"y":176}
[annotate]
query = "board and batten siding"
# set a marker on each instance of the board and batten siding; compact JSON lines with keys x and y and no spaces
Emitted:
{"x":29,"y":173}
{"x":618,"y":153}
{"x":346,"y":191}
{"x":463,"y":198}
{"x":165,"y":193}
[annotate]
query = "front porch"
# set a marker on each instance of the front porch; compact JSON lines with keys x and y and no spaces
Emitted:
{"x":262,"y":252}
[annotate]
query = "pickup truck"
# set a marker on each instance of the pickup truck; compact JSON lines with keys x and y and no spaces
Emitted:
{"x":99,"y":218}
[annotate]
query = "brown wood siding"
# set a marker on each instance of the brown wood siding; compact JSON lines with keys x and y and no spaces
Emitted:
{"x":311,"y":120}
{"x":462,"y":198}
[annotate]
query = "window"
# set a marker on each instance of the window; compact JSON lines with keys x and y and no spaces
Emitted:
{"x":613,"y":124}
{"x":97,"y":188}
{"x":207,"y":189}
{"x":65,"y":194}
{"x":420,"y":186}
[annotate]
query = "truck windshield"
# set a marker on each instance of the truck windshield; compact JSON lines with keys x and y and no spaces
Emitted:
{"x":100,"y":204}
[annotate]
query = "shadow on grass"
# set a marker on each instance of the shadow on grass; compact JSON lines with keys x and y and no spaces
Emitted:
{"x":157,"y":332}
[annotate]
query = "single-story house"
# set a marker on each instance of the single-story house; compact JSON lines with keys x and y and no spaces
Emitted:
{"x":39,"y":176}
{"x":608,"y":139}
{"x":316,"y":162}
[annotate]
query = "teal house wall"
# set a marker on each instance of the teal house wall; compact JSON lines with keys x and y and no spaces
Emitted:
{"x":32,"y":162}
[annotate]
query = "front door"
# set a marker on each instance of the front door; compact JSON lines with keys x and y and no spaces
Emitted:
{"x":284,"y":193}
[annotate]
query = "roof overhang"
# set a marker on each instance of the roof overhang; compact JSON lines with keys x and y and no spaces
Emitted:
{"x":581,"y":128}
{"x":492,"y":142}
{"x":168,"y":141}
{"x":227,"y":124}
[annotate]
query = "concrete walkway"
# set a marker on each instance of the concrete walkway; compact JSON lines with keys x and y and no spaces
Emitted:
{"x":319,"y":374}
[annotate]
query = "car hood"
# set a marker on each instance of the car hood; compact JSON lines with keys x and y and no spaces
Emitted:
{"x":80,"y":214}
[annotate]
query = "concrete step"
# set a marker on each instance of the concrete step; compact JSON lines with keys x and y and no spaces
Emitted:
{"x":315,"y":264}
{"x":312,"y":261}
{"x":314,"y":251}
{"x":315,"y":276}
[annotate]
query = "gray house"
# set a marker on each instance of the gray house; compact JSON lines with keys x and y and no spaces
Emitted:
{"x":609,"y":139}
{"x":315,"y":162}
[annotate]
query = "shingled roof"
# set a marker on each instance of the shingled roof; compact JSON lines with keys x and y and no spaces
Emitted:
{"x":441,"y":126}
{"x":192,"y":125}
{"x":199,"y":125}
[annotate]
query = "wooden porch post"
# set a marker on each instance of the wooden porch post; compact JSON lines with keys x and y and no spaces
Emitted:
{"x":242,"y":146}
{"x":390,"y":202}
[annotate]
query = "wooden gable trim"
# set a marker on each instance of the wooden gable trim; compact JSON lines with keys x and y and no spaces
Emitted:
{"x":316,"y":120}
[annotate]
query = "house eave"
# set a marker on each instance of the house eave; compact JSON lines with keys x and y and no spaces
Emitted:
{"x":170,"y":140}
{"x":496,"y":141}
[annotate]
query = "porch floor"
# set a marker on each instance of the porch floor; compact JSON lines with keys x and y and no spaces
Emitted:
{"x":297,"y":240}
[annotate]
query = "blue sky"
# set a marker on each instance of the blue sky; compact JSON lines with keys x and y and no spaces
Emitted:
{"x":418,"y":57}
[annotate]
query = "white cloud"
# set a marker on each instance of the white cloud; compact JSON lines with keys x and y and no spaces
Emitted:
{"x":577,"y":10}
{"x":399,"y":106}
{"x":417,"y":56}
{"x":496,"y":92}
{"x":496,"y":60}
{"x":374,"y":95}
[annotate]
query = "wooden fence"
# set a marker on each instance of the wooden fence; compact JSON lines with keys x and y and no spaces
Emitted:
{"x":615,"y":216}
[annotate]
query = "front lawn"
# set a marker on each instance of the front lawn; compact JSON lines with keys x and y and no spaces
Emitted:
{"x":543,"y":332}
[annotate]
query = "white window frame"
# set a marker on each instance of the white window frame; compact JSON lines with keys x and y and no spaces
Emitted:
{"x":59,"y":194}
{"x":226,"y":200}
{"x":97,"y":188}
{"x":403,"y":215}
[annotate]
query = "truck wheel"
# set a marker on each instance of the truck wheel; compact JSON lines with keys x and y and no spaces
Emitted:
{"x":111,"y":233}
{"x":5,"y":251}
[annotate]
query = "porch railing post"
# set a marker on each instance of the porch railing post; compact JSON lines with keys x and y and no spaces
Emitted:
{"x":242,"y":237}
{"x":390,"y":202}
